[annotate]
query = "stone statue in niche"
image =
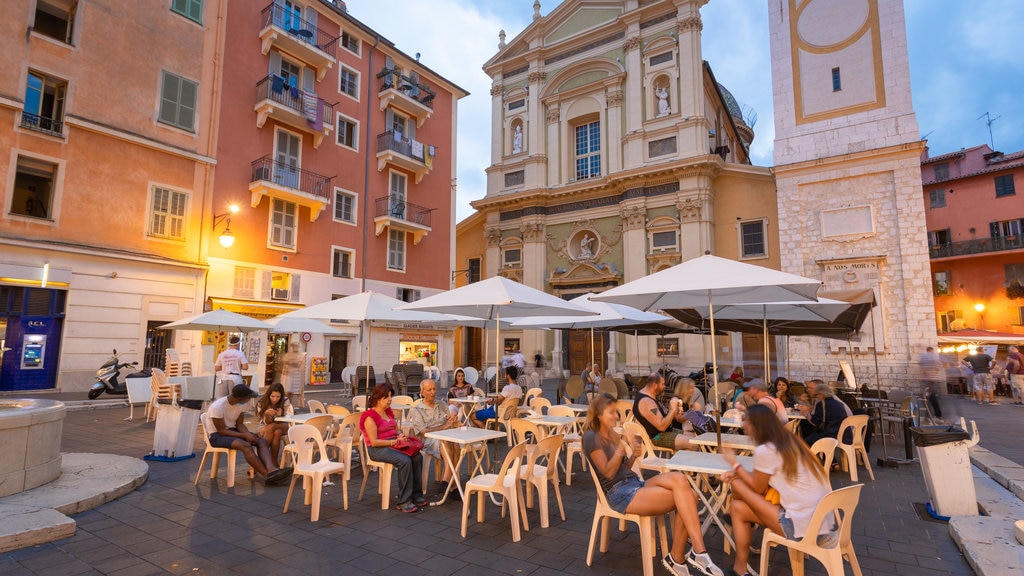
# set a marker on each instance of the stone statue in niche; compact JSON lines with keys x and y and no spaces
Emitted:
{"x":517,"y":140}
{"x":664,"y":109}
{"x":585,"y":249}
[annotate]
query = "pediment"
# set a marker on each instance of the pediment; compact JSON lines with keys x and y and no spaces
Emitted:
{"x":585,"y":273}
{"x":582,"y":20}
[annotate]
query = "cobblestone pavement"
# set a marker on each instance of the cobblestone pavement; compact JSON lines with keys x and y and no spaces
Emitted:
{"x":171,"y":526}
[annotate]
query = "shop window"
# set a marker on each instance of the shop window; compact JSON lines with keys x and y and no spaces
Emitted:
{"x":34,"y":184}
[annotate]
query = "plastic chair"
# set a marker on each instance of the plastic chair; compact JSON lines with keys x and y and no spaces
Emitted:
{"x":621,"y":387}
{"x":384,"y":471}
{"x":608,"y":386}
{"x":344,"y":438}
{"x":540,"y":405}
{"x":649,"y":459}
{"x":489,"y":374}
{"x":347,"y":373}
{"x":506,"y":483}
{"x":508,"y":409}
{"x":521,"y":428}
{"x":527,"y":406}
{"x":793,"y":426}
{"x":625,"y":408}
{"x":338,"y":409}
{"x":323,"y":424}
{"x":858,"y":424}
{"x":840,"y":505}
{"x":572,"y":441}
{"x":603,"y":514}
{"x":316,"y":406}
{"x":471,"y":375}
{"x":305,"y":440}
{"x":365,"y":380}
{"x":539,"y":476}
{"x":825,"y":450}
{"x":359,"y":403}
{"x":215,"y":452}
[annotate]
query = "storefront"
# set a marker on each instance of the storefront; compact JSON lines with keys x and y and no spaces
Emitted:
{"x":256,"y":349}
{"x":418,"y":347}
{"x":31,"y":325}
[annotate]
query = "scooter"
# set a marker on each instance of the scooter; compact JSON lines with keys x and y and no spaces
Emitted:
{"x":107,"y":378}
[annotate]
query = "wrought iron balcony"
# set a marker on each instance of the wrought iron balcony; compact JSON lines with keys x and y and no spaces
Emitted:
{"x":976,"y":246}
{"x":408,"y":154}
{"x":406,"y":93}
{"x":391,"y":212}
{"x":43,"y":124}
{"x":287,"y":104}
{"x":279,"y":180}
{"x":288,"y":31}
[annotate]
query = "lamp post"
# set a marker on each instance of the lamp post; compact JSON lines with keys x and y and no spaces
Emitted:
{"x":227,"y":239}
{"x":980,"y":309}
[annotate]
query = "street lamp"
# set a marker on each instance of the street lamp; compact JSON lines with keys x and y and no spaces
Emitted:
{"x":980,"y":309}
{"x":227,"y":239}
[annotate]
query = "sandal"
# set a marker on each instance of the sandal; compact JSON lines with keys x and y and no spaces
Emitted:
{"x":407,"y":507}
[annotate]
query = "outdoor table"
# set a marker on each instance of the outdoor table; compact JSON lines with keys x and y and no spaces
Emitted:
{"x":303,"y":418}
{"x":578,"y":408}
{"x":709,"y":442}
{"x":554,"y":421}
{"x":697,"y":467}
{"x":462,"y":438}
{"x":732,"y":422}
{"x":469,"y":406}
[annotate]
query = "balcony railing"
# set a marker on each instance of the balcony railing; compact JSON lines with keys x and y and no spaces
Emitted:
{"x":393,"y":79}
{"x":391,"y":207}
{"x":278,"y":15}
{"x":976,"y":246}
{"x":394,"y":142}
{"x":311,"y":183}
{"x":276,"y":89}
{"x":43,"y":124}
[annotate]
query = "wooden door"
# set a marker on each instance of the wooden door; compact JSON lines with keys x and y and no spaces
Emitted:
{"x":580,"y":350}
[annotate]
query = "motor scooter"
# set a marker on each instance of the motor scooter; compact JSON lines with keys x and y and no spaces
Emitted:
{"x":109,"y":379}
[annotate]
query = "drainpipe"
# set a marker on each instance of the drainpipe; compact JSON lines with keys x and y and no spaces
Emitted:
{"x":366,"y":168}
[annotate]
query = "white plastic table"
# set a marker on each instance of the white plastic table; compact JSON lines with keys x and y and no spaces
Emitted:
{"x":461,"y":438}
{"x":469,"y":406}
{"x":697,"y":467}
{"x":709,"y":442}
{"x":303,"y":418}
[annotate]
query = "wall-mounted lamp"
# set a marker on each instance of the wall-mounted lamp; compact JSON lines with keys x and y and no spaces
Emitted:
{"x":227,"y":239}
{"x":980,"y":309}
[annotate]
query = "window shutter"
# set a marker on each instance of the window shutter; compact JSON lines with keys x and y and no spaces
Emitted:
{"x":399,"y":292}
{"x":389,"y":119}
{"x":275,"y":62}
{"x":266,"y":280}
{"x":308,"y":79}
{"x":410,"y":127}
{"x":993,"y":229}
{"x":415,"y":295}
{"x":295,"y":287}
{"x":311,"y":17}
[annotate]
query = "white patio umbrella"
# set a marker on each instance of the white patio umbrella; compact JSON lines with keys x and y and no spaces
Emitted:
{"x":218,"y":320}
{"x":496,"y":296}
{"x":364,"y":307}
{"x":707,"y":280}
{"x":290,"y":325}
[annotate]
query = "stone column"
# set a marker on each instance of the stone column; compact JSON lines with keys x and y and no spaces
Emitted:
{"x":633,"y":153}
{"x":534,"y":264}
{"x":613,"y":126}
{"x":634,"y":243}
{"x":497,"y":121}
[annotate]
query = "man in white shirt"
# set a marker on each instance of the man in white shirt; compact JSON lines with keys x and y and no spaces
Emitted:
{"x":511,"y":390}
{"x":227,"y":416}
{"x":231,"y":362}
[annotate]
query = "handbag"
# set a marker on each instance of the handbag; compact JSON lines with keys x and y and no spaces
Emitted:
{"x":702,"y":423}
{"x":410,"y":446}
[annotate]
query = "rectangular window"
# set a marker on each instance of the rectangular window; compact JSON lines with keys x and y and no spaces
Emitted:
{"x":283,"y":222}
{"x":516,"y":104}
{"x":942,"y":284}
{"x":344,"y":206}
{"x":1014,"y":273}
{"x":941,"y":172}
{"x":282,"y":284}
{"x":752,"y":237}
{"x":1006,"y":228}
{"x":952,"y":320}
{"x":473,"y":270}
{"x":837,"y":81}
{"x":34,"y":183}
{"x":348,"y":133}
{"x":55,"y":18}
{"x":44,"y":104}
{"x":516,"y":178}
{"x":588,"y":150}
{"x":350,"y":43}
{"x":396,"y":250}
{"x":1004,"y":186}
{"x":178,"y":101}
{"x":348,"y":82}
{"x":513,"y":257}
{"x":191,"y":9}
{"x":407,"y":294}
{"x":245,"y":282}
{"x":937,"y":198}
{"x":668,"y":347}
{"x":660,"y":58}
{"x":939,"y":237}
{"x":341,"y":266}
{"x":662,"y":241}
{"x":167,"y":215}
{"x":396,"y":199}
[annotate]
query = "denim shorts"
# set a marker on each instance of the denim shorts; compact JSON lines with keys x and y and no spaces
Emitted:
{"x":826,"y":540}
{"x":621,"y":494}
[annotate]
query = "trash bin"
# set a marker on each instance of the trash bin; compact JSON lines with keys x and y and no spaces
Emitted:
{"x":946,"y":463}
{"x":175,"y":434}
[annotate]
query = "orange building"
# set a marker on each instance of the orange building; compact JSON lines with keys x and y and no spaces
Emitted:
{"x":339,"y":151}
{"x":975,"y":220}
{"x":106,"y":181}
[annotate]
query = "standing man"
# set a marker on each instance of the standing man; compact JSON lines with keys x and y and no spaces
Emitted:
{"x":292,"y":375}
{"x":230,"y":364}
{"x":1015,"y":369}
{"x":933,"y":374}
{"x":663,"y":425}
{"x":982,"y":364}
{"x":227,"y":415}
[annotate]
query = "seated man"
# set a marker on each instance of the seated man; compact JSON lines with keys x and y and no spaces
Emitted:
{"x":591,"y":377}
{"x":757,"y":390}
{"x":510,"y":391}
{"x":827,"y":415}
{"x":663,"y":425}
{"x":230,"y":409}
{"x":431,"y":416}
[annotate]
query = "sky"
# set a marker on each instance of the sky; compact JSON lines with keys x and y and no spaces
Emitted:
{"x":963,"y":63}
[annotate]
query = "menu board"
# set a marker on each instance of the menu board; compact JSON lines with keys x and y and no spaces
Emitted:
{"x":318,"y":373}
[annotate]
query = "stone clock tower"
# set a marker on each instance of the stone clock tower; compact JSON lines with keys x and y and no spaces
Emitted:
{"x":847,"y":166}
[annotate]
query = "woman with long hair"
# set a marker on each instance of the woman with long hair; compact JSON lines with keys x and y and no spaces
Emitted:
{"x":781,"y":461}
{"x":781,"y":391}
{"x":380,"y":432}
{"x":461,"y":388}
{"x":612,"y":457}
{"x":272,"y":405}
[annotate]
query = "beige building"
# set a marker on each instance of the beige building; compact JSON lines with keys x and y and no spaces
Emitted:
{"x":615,"y":154}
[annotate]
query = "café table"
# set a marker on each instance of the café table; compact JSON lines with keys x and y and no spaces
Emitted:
{"x":708,"y":442}
{"x":469,"y":405}
{"x":578,"y":408}
{"x":303,"y":418}
{"x":462,"y":438}
{"x":698,"y":467}
{"x":554,"y":422}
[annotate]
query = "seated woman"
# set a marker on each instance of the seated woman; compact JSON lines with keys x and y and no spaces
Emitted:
{"x":461,"y":388}
{"x":380,"y":432}
{"x":612,"y":458}
{"x":827,"y":415}
{"x":781,"y":391}
{"x":687,"y":391}
{"x":269,"y":407}
{"x":783,"y":462}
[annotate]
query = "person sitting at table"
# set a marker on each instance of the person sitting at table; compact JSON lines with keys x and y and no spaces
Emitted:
{"x":430,"y":416}
{"x":227,"y":414}
{"x":687,"y":391}
{"x":612,"y":457}
{"x":268,"y":408}
{"x":591,"y":377}
{"x":461,"y":388}
{"x":380,"y":432}
{"x":756,"y":389}
{"x":743,"y":400}
{"x":824,"y":419}
{"x":781,"y":391}
{"x":511,"y":391}
{"x":781,"y":462}
{"x":663,"y":425}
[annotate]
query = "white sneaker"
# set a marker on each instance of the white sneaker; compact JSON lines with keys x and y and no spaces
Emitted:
{"x":703,"y":564}
{"x":674,"y":567}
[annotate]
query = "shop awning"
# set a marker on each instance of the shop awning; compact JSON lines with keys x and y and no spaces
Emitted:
{"x":259,"y":309}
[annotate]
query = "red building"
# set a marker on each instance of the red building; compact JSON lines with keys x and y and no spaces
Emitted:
{"x":975,"y":219}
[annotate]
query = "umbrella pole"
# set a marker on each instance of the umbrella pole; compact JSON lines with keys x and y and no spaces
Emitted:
{"x":789,"y":373}
{"x":884,"y":461}
{"x":366,"y":382}
{"x":767,"y":358}
{"x":497,"y":351}
{"x":714,"y":373}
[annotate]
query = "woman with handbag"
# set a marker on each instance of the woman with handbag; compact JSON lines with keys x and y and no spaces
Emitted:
{"x":385,"y":444}
{"x":781,"y":493}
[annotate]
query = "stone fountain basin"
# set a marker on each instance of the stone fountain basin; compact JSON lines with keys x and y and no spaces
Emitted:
{"x":30,"y":435}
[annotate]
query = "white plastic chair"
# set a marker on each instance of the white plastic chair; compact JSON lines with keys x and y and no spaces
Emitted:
{"x":306,"y":440}
{"x":359,"y":403}
{"x":471,"y":375}
{"x":506,"y":483}
{"x":572,"y":440}
{"x":825,"y":450}
{"x":854,"y":451}
{"x":215,"y":452}
{"x":316,"y":406}
{"x":838,"y":505}
{"x":539,"y":476}
{"x":383,"y":469}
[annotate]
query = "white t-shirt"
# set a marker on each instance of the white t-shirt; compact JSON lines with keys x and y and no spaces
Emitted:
{"x":221,"y":408}
{"x":800,"y":495}
{"x":231,"y":361}
{"x":512,"y":391}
